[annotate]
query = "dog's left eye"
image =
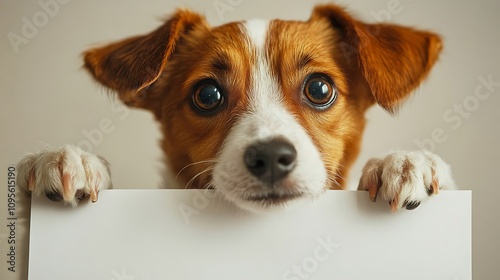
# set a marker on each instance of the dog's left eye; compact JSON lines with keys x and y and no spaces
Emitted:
{"x":207,"y":97}
{"x":320,"y":92}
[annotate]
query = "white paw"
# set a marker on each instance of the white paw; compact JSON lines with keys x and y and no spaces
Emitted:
{"x":405,"y":179}
{"x":66,"y":174}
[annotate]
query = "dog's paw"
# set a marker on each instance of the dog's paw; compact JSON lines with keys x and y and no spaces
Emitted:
{"x":67,"y":174}
{"x":405,"y":179}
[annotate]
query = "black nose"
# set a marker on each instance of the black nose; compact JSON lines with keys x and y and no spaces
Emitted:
{"x":270,"y":161}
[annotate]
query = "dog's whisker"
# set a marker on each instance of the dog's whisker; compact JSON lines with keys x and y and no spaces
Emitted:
{"x":194,"y":163}
{"x":191,"y":181}
{"x":334,"y":182}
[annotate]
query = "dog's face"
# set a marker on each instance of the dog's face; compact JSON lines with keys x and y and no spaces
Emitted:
{"x":260,"y":107}
{"x":267,"y":112}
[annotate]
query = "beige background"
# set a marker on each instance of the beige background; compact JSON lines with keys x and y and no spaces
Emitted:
{"x":46,"y":99}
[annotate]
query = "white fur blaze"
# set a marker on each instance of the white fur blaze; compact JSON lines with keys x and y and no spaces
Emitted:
{"x":266,"y":118}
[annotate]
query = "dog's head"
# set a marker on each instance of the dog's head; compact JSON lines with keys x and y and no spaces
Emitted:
{"x":266,"y":112}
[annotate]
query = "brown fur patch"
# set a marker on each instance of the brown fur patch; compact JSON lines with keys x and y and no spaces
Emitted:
{"x":407,"y":168}
{"x":392,"y":58}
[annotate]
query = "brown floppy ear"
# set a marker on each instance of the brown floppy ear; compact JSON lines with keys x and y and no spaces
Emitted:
{"x":130,"y":66}
{"x":393,"y":59}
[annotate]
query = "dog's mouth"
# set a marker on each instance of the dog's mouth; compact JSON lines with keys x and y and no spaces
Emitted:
{"x":274,"y":197}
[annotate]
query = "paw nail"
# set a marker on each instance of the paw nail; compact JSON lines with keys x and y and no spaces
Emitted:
{"x":394,"y":204}
{"x":80,"y":195}
{"x":31,"y":180}
{"x":372,"y":190}
{"x":93,"y":195}
{"x":412,"y":205}
{"x":430,"y":191}
{"x":54,"y":196}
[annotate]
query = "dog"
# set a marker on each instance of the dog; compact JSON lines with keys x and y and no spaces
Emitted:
{"x":268,"y":113}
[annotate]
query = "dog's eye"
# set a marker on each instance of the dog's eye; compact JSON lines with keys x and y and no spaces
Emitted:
{"x":320,"y":92}
{"x":207,"y":97}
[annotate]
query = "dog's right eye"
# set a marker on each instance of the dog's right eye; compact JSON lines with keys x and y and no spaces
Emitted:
{"x":207,"y":97}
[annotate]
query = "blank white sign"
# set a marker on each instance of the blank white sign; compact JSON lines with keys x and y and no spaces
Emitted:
{"x":188,"y":234}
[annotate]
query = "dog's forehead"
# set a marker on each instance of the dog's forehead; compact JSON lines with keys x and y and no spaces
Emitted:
{"x":284,"y":44}
{"x":256,"y":31}
{"x":260,"y":33}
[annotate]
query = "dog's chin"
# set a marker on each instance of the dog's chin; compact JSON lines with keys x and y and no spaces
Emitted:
{"x":270,"y":202}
